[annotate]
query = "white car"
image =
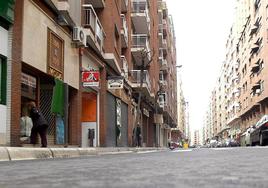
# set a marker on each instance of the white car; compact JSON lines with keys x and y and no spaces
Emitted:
{"x":247,"y":135}
{"x":213,"y":143}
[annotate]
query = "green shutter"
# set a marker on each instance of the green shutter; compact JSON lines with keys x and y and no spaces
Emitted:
{"x":57,"y":105}
{"x":7,"y":10}
{"x":3,"y":81}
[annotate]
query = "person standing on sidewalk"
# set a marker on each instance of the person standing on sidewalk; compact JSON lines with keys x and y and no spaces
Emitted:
{"x":138,"y":135}
{"x":40,"y":125}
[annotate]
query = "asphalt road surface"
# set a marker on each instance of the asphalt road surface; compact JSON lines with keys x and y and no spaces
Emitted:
{"x":220,"y":167}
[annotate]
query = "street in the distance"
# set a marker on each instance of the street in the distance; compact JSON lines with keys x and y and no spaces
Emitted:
{"x":214,"y":167}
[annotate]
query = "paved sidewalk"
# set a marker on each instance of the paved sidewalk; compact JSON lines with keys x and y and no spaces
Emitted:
{"x":31,"y":153}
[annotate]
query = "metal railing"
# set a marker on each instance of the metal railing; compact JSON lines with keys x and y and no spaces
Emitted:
{"x":136,"y":78}
{"x":91,"y":21}
{"x":140,"y":6}
{"x":140,"y":41}
{"x":124,"y":26}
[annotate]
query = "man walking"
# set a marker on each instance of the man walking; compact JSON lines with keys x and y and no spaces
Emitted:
{"x":40,"y":125}
{"x":138,"y":135}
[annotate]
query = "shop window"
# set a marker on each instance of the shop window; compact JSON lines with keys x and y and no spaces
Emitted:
{"x":3,"y":80}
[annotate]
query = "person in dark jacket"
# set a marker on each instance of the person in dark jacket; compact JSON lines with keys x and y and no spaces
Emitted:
{"x":40,"y":125}
{"x":138,"y":135}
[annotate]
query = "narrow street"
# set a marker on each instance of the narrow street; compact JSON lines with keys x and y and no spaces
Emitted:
{"x":219,"y":167}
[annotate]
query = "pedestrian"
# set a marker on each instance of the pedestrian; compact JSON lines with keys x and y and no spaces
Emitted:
{"x":138,"y":135}
{"x":40,"y":125}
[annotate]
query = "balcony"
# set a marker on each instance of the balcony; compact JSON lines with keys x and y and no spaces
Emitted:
{"x":96,"y":3}
{"x":161,"y":54}
{"x":63,"y":5}
{"x":164,"y":65}
{"x":124,"y":6}
{"x":164,"y":9}
{"x":165,"y":27}
{"x":160,"y":40}
{"x":140,"y":16}
{"x":164,"y":48}
{"x":125,"y":67}
{"x":124,"y":32}
{"x":93,"y":28}
{"x":163,"y":85}
{"x":140,"y":49}
{"x":136,"y":81}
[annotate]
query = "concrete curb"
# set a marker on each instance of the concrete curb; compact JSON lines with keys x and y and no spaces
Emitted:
{"x":22,"y":153}
{"x":64,"y":152}
{"x":4,"y":156}
{"x":29,"y":153}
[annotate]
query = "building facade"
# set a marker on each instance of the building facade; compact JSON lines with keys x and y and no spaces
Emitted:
{"x":95,"y":69}
{"x":243,"y":72}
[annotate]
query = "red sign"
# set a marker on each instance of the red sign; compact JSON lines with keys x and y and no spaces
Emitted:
{"x":90,"y":78}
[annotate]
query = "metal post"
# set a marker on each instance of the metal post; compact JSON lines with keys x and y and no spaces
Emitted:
{"x":66,"y":113}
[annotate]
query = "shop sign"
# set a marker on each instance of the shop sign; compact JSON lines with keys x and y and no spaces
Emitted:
{"x":146,"y":112}
{"x":28,"y":80}
{"x":55,"y":55}
{"x":116,"y":83}
{"x":90,"y":78}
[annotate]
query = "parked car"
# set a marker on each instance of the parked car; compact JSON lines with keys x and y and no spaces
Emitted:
{"x":213,"y":143}
{"x":260,"y":133}
{"x":246,"y":135}
{"x":233,"y":143}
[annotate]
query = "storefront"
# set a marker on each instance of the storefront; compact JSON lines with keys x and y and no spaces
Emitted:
{"x":49,"y":77}
{"x":90,"y":101}
{"x":6,"y":21}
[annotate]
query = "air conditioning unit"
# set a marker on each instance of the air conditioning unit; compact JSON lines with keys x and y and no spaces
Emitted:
{"x":79,"y":36}
{"x":258,"y":91}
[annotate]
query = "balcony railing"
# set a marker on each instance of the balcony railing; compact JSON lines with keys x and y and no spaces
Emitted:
{"x":92,"y":22}
{"x":165,"y":44}
{"x":136,"y":78}
{"x":124,"y":28}
{"x":140,"y":6}
{"x":140,"y":41}
{"x":96,"y":3}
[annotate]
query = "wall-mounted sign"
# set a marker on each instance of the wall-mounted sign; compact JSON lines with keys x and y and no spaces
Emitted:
{"x":90,"y":78}
{"x":146,"y":112}
{"x":116,"y":83}
{"x":55,"y":55}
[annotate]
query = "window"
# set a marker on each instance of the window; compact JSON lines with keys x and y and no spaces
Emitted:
{"x":3,"y":80}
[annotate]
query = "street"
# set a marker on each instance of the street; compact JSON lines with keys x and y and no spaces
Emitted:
{"x":219,"y":167}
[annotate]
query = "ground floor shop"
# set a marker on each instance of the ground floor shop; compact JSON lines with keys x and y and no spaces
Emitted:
{"x":57,"y":101}
{"x":4,"y":51}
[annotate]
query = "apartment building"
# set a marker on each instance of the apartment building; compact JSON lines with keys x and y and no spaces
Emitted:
{"x":96,"y":69}
{"x":196,"y":140}
{"x":181,"y":109}
{"x":244,"y":69}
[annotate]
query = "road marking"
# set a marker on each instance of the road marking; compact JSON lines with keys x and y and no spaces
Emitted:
{"x":152,"y":151}
{"x":222,"y":148}
{"x":185,"y":150}
{"x":115,"y":153}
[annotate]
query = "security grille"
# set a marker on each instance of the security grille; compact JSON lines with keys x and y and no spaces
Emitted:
{"x":45,"y":108}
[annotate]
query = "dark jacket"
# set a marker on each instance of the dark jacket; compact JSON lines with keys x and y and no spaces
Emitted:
{"x":38,"y":119}
{"x":138,"y":131}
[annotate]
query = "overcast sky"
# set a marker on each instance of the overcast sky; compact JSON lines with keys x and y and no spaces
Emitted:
{"x":202,"y":27}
